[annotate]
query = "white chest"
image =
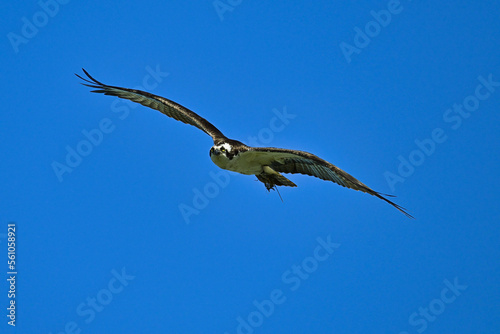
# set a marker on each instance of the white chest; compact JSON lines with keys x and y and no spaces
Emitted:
{"x":242,"y":163}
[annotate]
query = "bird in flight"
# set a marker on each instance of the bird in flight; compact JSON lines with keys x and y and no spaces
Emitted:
{"x":266,"y":163}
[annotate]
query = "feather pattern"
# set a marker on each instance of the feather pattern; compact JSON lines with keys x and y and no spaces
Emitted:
{"x":293,"y":162}
{"x":165,"y":106}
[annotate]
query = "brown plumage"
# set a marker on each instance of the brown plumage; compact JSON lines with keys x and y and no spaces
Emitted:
{"x":266,"y":163}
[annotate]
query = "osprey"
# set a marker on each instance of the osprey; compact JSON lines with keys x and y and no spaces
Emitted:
{"x":266,"y":163}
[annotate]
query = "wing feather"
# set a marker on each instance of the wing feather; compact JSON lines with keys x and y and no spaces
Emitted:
{"x":165,"y":106}
{"x":292,"y":161}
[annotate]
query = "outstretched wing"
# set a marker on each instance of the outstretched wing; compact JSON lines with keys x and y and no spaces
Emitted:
{"x":166,"y":106}
{"x":291,"y":161}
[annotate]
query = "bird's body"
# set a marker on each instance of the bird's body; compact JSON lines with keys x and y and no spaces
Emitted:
{"x":266,"y":163}
{"x":227,"y":156}
{"x":240,"y":158}
{"x":243,"y":163}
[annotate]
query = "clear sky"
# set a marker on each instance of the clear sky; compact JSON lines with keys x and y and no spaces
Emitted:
{"x":124,"y":224}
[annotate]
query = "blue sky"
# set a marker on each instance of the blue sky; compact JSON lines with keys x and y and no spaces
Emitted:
{"x":124,"y":225}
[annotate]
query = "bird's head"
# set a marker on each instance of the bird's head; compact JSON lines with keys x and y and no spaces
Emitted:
{"x":222,"y":151}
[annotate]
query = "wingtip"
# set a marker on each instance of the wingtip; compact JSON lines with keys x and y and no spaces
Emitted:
{"x":408,"y":215}
{"x":87,"y":73}
{"x":92,"y":80}
{"x":79,"y":76}
{"x":397,"y":206}
{"x":404,"y":211}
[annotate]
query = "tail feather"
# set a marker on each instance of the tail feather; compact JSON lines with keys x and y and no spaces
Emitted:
{"x":271,"y":179}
